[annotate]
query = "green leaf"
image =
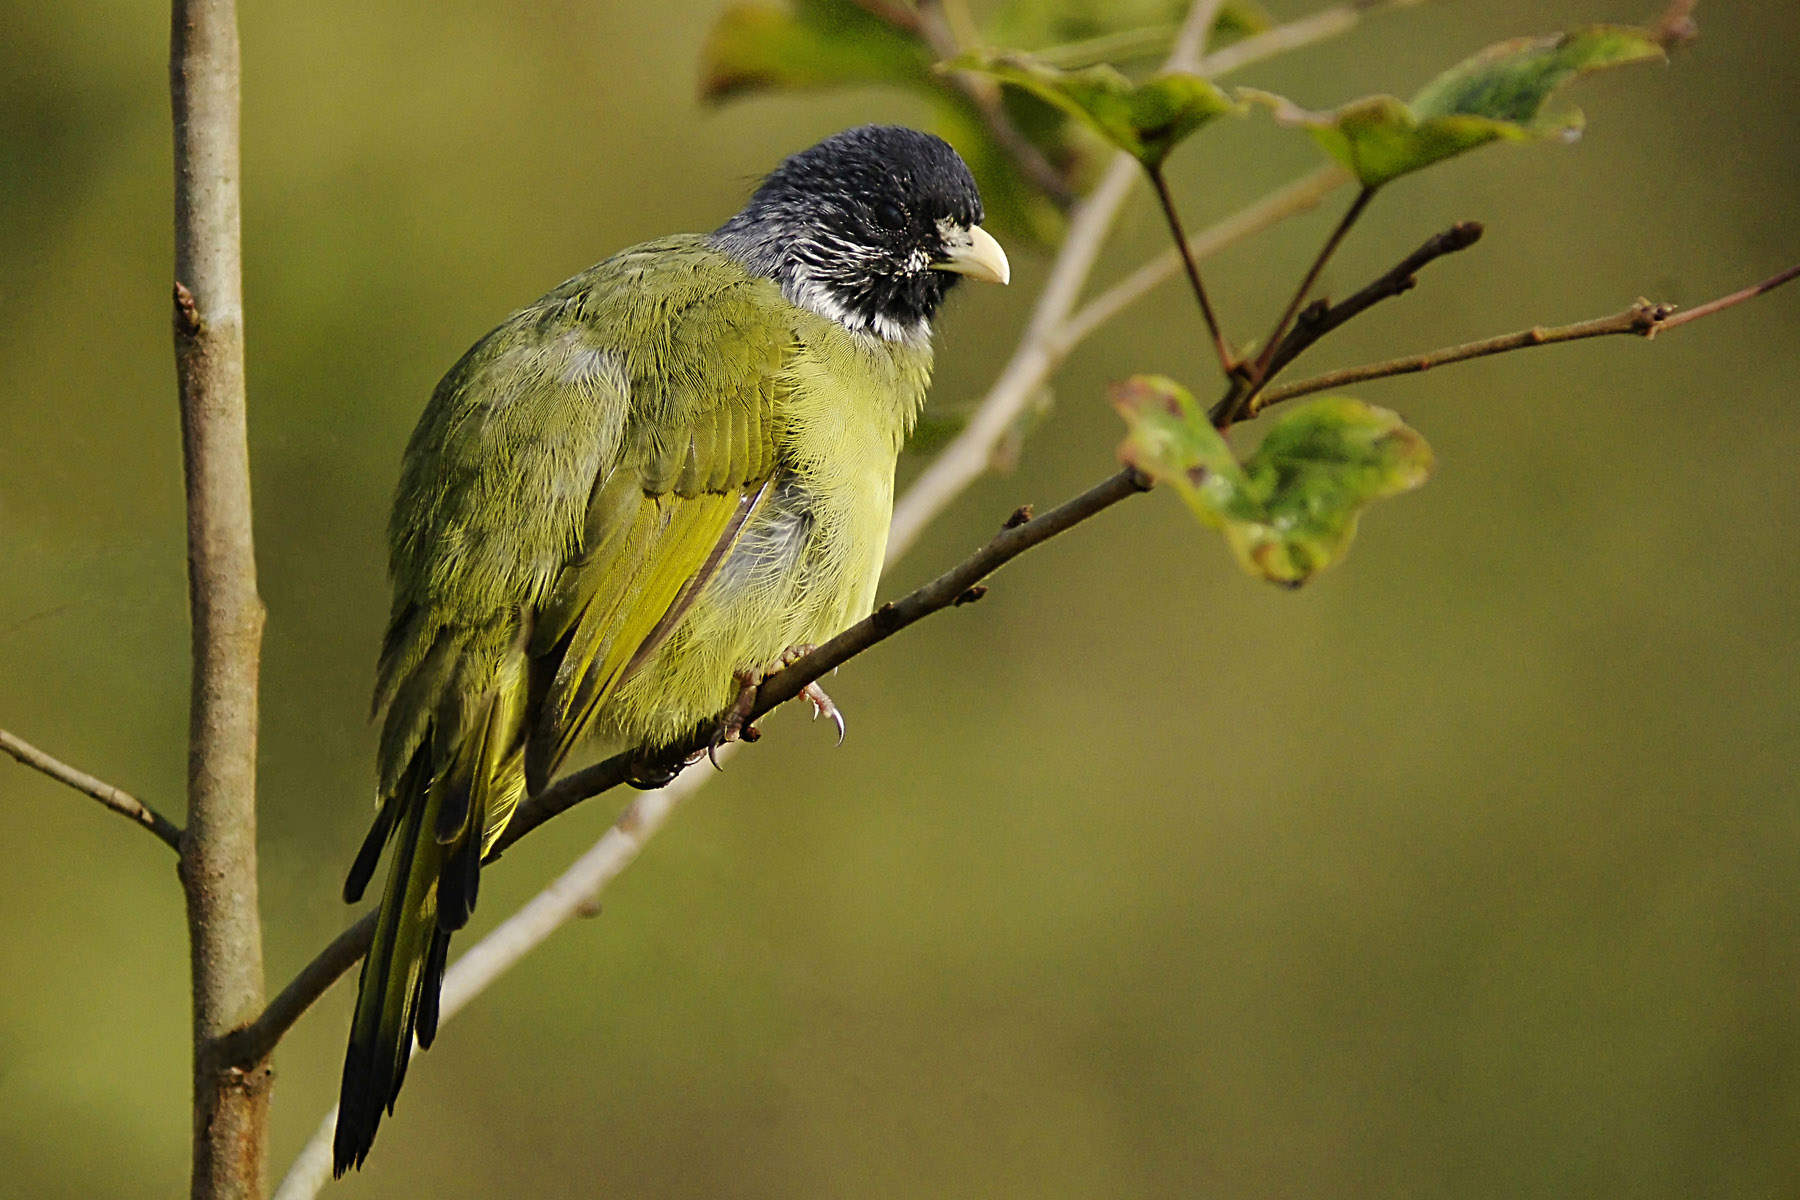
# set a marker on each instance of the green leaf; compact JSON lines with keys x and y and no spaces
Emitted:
{"x":1146,"y":120}
{"x":1291,"y":509}
{"x":1497,"y":95}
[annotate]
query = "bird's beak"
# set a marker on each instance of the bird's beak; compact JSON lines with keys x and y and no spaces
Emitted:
{"x":975,"y":253}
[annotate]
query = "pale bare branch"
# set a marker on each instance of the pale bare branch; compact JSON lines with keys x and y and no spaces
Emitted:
{"x":218,"y":853}
{"x":117,"y":799}
{"x":1294,"y":35}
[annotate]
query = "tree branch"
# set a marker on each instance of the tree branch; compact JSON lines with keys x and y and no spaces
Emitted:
{"x":947,"y":590}
{"x":1325,"y":317}
{"x":1300,"y":196}
{"x":1321,"y":317}
{"x":117,"y":799}
{"x":1294,"y":35}
{"x":1228,"y":361}
{"x":1642,"y":319}
{"x":251,"y":1043}
{"x":1195,"y":32}
{"x":1731,"y":301}
{"x":218,"y":850}
{"x":1259,"y":374}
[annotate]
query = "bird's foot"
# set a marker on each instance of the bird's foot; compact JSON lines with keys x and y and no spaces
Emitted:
{"x":735,"y":724}
{"x":824,"y":707}
{"x":813,"y":694}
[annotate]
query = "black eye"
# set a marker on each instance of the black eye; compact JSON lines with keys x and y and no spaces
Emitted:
{"x":890,"y":215}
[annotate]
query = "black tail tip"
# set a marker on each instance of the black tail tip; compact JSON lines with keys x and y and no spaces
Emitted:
{"x":349,"y":1148}
{"x":358,"y":1117}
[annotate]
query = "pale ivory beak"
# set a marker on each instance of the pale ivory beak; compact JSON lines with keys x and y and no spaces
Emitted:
{"x":975,"y":253}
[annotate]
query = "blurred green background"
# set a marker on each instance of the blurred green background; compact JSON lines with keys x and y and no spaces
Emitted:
{"x":1472,"y":869}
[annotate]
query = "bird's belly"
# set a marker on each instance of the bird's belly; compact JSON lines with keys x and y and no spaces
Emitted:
{"x":803,"y":569}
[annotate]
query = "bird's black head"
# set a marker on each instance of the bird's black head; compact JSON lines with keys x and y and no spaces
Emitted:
{"x":870,"y":227}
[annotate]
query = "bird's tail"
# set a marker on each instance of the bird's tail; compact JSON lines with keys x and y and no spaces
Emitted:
{"x":441,"y":822}
{"x":397,"y":974}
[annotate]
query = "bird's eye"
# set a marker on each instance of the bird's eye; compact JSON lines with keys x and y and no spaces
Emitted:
{"x":890,"y":215}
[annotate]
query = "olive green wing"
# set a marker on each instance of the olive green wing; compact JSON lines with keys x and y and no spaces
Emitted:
{"x":689,"y":476}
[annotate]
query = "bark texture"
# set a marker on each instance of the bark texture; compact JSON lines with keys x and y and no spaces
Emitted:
{"x":218,"y":847}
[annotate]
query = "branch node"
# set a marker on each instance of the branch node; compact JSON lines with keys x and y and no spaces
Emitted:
{"x":886,"y":617}
{"x":187,"y":313}
{"x":1463,"y":234}
{"x":970,"y":596}
{"x":1314,"y":313}
{"x":1018,"y":517}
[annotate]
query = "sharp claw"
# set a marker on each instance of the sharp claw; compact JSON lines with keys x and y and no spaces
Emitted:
{"x":732,"y":725}
{"x":822,"y":704}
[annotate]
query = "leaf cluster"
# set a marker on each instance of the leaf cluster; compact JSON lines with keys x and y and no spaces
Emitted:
{"x":1289,"y":509}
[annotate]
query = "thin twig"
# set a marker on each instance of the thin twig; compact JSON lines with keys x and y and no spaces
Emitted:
{"x":1320,"y":318}
{"x":117,"y":799}
{"x":253,"y":1042}
{"x":1302,"y":195}
{"x":1294,"y":35}
{"x":1313,"y":324}
{"x":1228,"y":361}
{"x":1195,"y":32}
{"x":1259,"y":374}
{"x":1642,"y":319}
{"x":1731,"y":301}
{"x":1108,"y":47}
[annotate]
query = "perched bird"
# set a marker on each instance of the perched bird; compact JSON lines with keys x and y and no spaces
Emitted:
{"x":634,"y":493}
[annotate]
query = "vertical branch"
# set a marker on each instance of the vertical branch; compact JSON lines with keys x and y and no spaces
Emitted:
{"x":218,"y":849}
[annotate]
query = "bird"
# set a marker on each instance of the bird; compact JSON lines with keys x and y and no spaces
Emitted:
{"x":624,"y":502}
